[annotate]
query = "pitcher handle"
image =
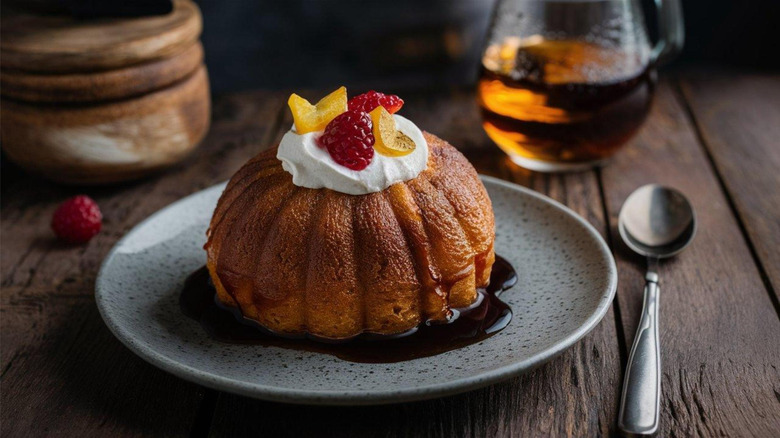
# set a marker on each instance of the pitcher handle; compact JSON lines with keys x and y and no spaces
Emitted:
{"x":671,"y":32}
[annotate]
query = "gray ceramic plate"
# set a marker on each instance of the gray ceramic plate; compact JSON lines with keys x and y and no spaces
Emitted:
{"x":567,"y":279}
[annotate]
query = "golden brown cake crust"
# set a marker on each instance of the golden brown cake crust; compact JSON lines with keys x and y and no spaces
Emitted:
{"x":334,"y":265}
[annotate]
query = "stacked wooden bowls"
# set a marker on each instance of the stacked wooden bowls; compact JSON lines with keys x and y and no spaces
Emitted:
{"x":106,"y":100}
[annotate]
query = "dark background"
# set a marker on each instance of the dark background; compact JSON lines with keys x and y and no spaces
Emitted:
{"x":254,"y":44}
{"x":416,"y":43}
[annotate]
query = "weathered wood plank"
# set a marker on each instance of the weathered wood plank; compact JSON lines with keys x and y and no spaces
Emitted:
{"x":738,"y":116}
{"x":574,"y":395}
{"x":70,"y":377}
{"x":718,"y":327}
{"x":63,"y":372}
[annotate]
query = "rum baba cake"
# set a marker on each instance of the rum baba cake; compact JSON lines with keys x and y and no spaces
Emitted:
{"x":358,"y":222}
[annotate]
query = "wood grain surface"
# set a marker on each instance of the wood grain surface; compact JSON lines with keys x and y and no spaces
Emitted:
{"x":737,"y":117}
{"x":100,"y":86}
{"x":59,"y":43}
{"x":64,"y":374}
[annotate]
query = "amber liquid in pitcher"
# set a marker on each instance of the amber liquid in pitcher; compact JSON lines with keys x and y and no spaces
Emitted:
{"x":562,"y":101}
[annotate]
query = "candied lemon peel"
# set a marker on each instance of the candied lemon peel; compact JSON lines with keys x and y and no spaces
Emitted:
{"x":311,"y":118}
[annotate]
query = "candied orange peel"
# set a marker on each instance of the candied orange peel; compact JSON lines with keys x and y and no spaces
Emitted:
{"x":311,"y":118}
{"x":389,"y":141}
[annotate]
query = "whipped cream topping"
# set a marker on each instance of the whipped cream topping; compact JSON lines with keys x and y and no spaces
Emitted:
{"x":311,"y":166}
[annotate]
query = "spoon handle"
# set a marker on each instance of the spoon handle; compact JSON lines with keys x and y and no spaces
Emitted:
{"x":639,"y":407}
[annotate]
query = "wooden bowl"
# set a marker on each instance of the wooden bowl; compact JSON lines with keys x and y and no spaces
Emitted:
{"x":111,"y":141}
{"x":102,"y":100}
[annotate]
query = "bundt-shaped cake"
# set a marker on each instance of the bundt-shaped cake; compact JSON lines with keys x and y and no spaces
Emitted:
{"x":333,"y":265}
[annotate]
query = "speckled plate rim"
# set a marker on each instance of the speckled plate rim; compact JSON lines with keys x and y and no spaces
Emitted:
{"x":327,"y":397}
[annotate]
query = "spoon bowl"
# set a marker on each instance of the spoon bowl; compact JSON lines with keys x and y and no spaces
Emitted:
{"x":657,"y":221}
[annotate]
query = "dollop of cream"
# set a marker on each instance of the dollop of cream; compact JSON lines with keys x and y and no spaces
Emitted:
{"x":312,"y":166}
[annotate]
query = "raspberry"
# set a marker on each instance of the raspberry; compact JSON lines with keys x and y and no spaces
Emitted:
{"x":349,"y":140}
{"x":77,"y":220}
{"x":368,"y":102}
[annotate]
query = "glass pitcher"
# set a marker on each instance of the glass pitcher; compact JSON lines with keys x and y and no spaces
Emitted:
{"x":565,"y":83}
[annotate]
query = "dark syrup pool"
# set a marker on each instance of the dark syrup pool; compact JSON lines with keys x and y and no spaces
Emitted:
{"x":472,"y":325}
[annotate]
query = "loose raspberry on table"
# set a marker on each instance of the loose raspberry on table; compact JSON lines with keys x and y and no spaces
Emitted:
{"x":77,"y":220}
{"x":369,"y":101}
{"x":349,"y":140}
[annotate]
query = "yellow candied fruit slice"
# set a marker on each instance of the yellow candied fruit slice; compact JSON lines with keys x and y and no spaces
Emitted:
{"x":389,"y":141}
{"x":311,"y":118}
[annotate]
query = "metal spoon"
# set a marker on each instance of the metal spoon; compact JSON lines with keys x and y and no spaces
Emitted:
{"x":656,"y":222}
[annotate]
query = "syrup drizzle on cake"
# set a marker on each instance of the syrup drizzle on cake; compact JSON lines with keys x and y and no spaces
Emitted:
{"x":486,"y":317}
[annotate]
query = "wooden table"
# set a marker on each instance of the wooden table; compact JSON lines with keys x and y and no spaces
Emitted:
{"x":715,"y":136}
